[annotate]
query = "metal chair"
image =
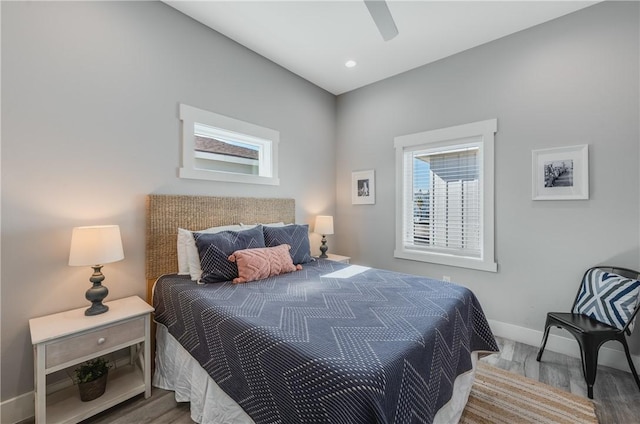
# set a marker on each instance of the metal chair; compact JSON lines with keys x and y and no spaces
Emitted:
{"x":590,"y":333}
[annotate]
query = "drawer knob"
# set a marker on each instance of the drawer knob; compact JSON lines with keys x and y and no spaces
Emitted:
{"x":101,"y":340}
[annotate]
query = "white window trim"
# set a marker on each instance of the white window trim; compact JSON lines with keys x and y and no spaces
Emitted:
{"x":241,"y":130}
{"x":441,"y":138}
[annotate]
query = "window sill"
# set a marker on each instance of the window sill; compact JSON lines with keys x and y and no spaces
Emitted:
{"x":450,"y":260}
{"x":230,"y":177}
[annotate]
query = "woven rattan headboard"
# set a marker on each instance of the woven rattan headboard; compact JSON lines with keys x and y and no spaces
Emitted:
{"x":167,"y":213}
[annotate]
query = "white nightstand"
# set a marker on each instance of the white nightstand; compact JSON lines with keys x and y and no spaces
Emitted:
{"x":63,"y":340}
{"x":339,"y":258}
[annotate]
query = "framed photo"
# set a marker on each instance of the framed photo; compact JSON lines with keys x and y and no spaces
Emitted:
{"x":561,"y":173}
{"x":363,"y":187}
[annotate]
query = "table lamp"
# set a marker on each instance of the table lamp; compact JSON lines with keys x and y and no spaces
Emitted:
{"x":94,"y":246}
{"x":324,"y":226}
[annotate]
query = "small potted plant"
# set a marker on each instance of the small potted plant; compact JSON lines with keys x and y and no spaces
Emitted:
{"x":91,"y":378}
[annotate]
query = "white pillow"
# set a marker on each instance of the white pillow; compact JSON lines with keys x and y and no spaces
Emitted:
{"x":188,"y":258}
{"x":183,"y":262}
{"x":273,"y":224}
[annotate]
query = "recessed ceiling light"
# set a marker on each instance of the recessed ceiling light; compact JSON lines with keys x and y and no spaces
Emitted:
{"x":350,"y":63}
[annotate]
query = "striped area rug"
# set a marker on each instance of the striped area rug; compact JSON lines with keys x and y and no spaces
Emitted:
{"x":499,"y":396}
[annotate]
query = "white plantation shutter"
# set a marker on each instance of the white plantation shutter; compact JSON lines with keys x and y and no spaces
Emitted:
{"x":444,"y":210}
{"x":443,"y":200}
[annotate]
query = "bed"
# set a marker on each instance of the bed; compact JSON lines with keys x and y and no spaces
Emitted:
{"x":328,"y":343}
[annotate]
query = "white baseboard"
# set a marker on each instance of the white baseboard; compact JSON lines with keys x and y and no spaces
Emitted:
{"x":566,"y":345}
{"x":17,"y":409}
{"x":22,"y":407}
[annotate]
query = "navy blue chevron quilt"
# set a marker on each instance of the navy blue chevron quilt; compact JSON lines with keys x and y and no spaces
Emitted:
{"x":377,"y":347}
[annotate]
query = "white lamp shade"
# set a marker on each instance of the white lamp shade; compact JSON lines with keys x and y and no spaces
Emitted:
{"x":95,"y":245}
{"x":324,"y":224}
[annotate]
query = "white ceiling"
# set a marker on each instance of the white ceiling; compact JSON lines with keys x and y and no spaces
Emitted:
{"x":314,"y":39}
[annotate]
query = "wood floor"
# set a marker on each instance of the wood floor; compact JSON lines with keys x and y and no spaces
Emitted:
{"x":616,"y":395}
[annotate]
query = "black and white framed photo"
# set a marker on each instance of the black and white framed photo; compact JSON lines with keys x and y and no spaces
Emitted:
{"x":561,"y":173}
{"x":363,"y":187}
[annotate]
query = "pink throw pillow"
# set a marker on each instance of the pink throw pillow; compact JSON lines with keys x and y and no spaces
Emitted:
{"x":262,"y":262}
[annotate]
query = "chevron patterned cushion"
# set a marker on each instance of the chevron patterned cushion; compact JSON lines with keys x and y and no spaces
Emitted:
{"x":188,"y":258}
{"x":296,"y":236}
{"x":256,"y":264}
{"x":608,"y":298}
{"x":214,"y":249}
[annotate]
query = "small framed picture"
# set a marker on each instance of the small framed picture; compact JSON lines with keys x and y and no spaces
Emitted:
{"x":561,"y":173}
{"x":363,"y":187}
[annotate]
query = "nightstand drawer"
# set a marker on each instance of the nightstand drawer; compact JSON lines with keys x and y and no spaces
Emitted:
{"x":73,"y":347}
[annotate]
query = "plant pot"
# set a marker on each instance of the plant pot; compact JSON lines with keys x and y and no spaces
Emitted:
{"x":92,"y":389}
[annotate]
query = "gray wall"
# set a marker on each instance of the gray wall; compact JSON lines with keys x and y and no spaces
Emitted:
{"x":90,"y":94}
{"x":567,"y":82}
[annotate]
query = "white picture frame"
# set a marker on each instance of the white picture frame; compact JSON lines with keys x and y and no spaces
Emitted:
{"x":363,"y":187}
{"x":560,"y":173}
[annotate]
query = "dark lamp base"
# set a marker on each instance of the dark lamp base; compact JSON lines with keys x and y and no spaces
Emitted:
{"x":323,"y":248}
{"x":96,"y":293}
{"x":96,"y":309}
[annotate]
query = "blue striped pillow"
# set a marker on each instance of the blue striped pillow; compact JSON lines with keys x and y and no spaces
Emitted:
{"x":608,"y":298}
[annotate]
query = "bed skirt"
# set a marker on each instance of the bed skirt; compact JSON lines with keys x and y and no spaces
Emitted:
{"x":178,"y":371}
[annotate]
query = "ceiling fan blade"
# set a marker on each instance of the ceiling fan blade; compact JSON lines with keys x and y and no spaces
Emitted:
{"x":382,"y":17}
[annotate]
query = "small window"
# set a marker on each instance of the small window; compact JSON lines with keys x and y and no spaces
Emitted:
{"x":216,"y":147}
{"x":445,"y":196}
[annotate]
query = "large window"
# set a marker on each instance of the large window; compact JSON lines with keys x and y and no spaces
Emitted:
{"x":444,"y":195}
{"x":216,"y":147}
